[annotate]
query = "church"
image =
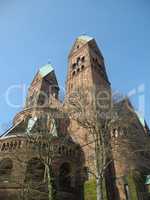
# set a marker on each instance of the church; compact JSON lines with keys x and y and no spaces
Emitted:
{"x":44,"y":140}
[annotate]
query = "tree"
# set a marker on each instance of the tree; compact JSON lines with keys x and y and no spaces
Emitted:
{"x":112,"y":128}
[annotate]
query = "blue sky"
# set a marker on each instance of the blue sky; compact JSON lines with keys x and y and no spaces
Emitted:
{"x":33,"y":32}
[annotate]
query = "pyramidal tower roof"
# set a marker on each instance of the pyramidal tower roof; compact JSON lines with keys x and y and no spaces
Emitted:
{"x":45,"y":70}
{"x":80,"y":41}
{"x":85,"y":38}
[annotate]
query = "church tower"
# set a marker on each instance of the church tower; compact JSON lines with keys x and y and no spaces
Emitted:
{"x":86,"y":68}
{"x":43,"y":88}
{"x":87,"y":76}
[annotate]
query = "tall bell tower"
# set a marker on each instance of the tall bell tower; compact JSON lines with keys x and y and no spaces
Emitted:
{"x":86,"y":73}
{"x":86,"y":68}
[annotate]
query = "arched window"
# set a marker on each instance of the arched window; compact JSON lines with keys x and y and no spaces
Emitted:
{"x":73,"y":73}
{"x":59,"y":150}
{"x":78,"y":70}
{"x":19,"y":144}
{"x":74,"y":66}
{"x":7,"y":146}
{"x":71,"y":85}
{"x":34,"y":171}
{"x":100,"y":66}
{"x":70,"y":152}
{"x":3,"y":147}
{"x":82,"y":67}
{"x":11,"y":145}
{"x":6,"y":166}
{"x":63,"y":149}
{"x":78,"y":61}
{"x":42,"y":99}
{"x":83,"y":59}
{"x":15,"y":145}
{"x":65,"y":177}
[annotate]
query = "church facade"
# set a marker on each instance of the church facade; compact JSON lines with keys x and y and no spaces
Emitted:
{"x":43,"y":135}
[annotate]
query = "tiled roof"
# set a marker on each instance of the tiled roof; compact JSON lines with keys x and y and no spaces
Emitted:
{"x":45,"y":70}
{"x":85,"y":38}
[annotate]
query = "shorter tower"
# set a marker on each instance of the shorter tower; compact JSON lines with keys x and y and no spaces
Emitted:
{"x":43,"y":88}
{"x":39,"y":134}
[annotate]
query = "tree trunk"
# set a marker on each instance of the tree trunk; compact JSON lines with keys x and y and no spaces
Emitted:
{"x":99,"y":151}
{"x":99,"y":189}
{"x":99,"y":181}
{"x":49,"y":183}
